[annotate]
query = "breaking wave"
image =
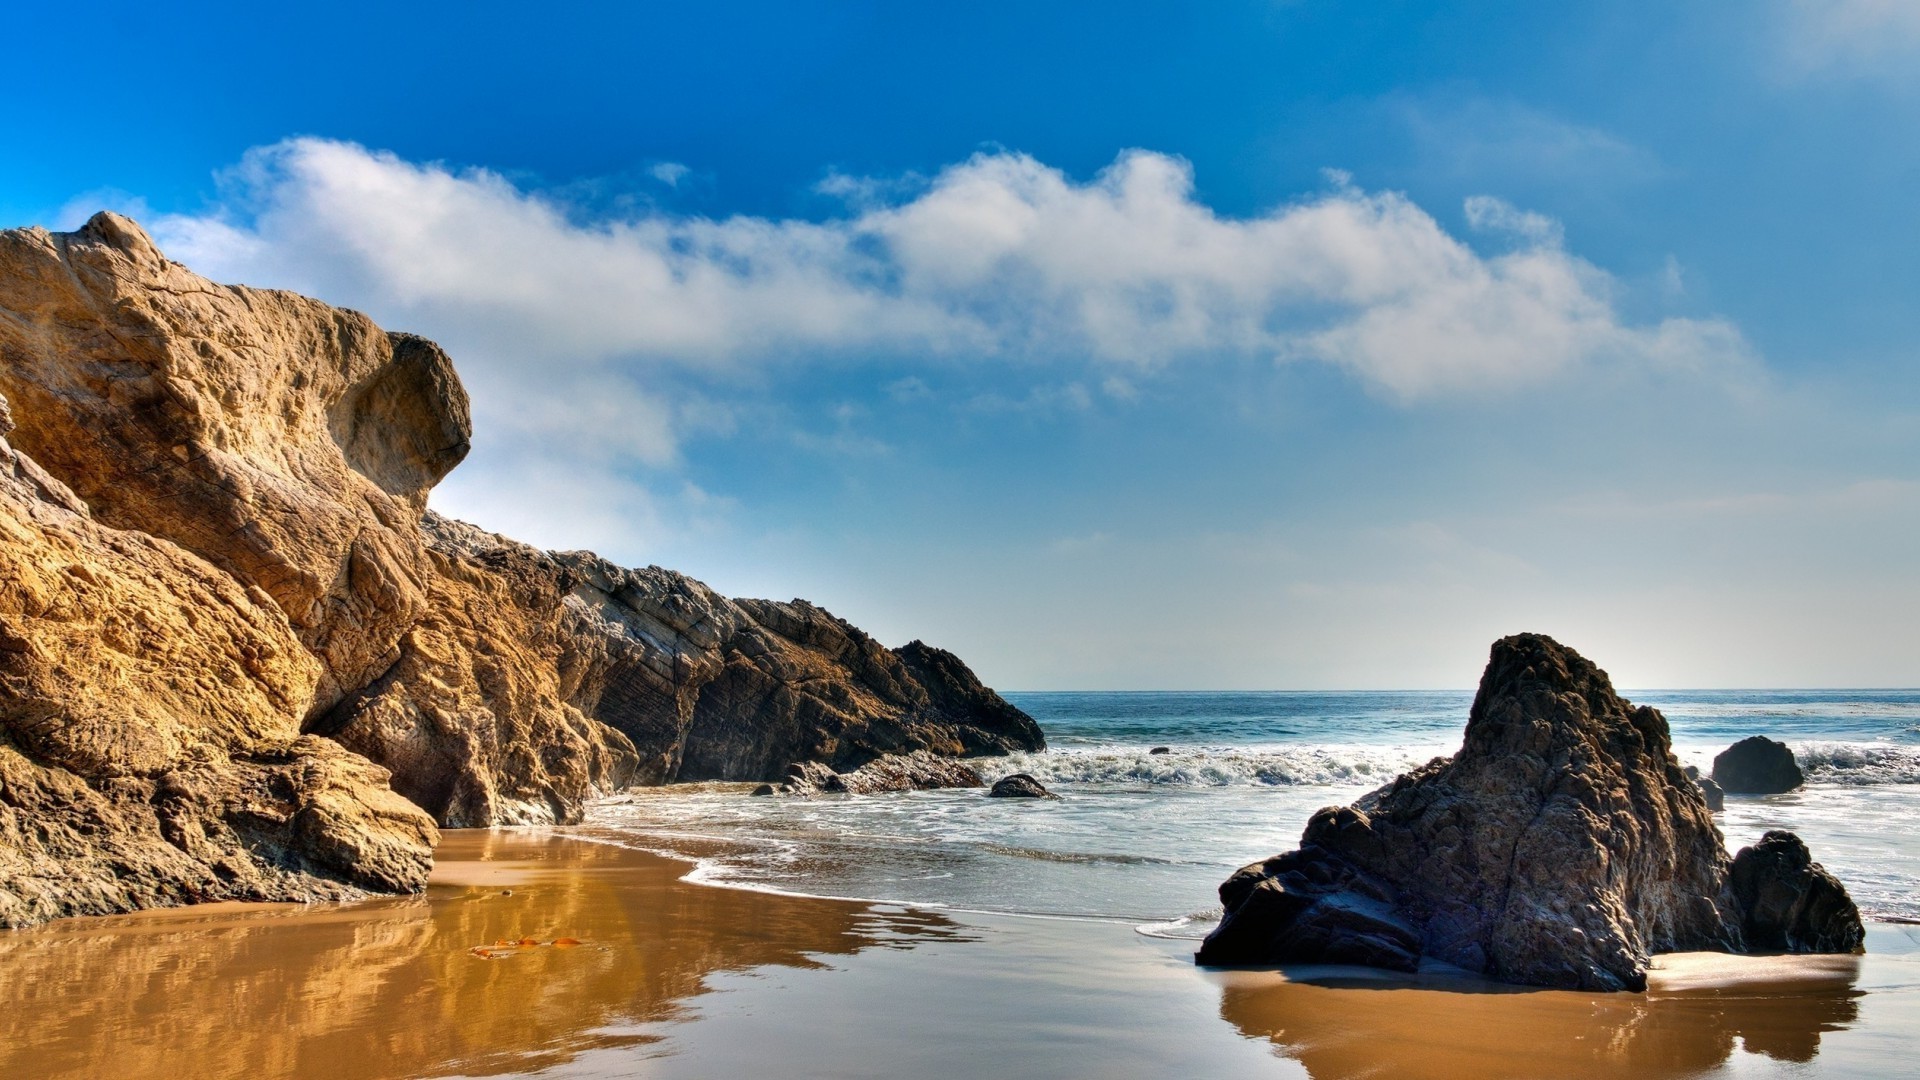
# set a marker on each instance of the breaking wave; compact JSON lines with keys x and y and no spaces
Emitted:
{"x":1221,"y":766}
{"x":1856,"y":764}
{"x":1848,"y":764}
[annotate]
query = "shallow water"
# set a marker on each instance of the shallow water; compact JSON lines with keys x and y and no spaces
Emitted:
{"x":672,"y":979}
{"x":1147,"y":837}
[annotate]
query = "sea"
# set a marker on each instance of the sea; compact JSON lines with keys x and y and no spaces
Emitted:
{"x":1145,"y":838}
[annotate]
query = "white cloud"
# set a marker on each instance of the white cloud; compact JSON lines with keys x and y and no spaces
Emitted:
{"x":999,"y":255}
{"x":567,"y":331}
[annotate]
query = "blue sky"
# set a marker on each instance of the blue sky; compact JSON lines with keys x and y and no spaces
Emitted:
{"x":1265,"y":345}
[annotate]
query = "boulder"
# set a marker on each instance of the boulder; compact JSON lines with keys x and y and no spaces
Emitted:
{"x":1562,"y":846}
{"x":1757,"y":766}
{"x":1790,"y":903}
{"x":1019,"y":786}
{"x":1716,"y":796}
{"x":1161,"y":750}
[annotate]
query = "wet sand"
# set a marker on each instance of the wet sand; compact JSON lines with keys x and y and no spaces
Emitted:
{"x":674,"y":979}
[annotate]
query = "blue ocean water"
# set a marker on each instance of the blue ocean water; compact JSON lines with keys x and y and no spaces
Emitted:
{"x":1146,"y":837}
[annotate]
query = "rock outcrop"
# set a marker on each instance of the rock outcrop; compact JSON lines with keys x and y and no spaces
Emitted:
{"x":543,"y":676}
{"x":1562,"y":846}
{"x":228,"y":622}
{"x":150,"y":745}
{"x":1757,"y":765}
{"x":916,"y":771}
{"x":1788,"y":902}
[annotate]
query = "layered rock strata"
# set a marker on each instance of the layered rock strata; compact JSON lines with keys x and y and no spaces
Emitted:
{"x":1562,"y":846}
{"x":227,"y":620}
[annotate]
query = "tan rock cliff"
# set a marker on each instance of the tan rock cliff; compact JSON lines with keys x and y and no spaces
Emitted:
{"x":225,"y":613}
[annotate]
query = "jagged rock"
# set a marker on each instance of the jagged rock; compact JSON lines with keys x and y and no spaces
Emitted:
{"x":150,"y":748}
{"x":289,"y":443}
{"x":1757,"y":766}
{"x":646,"y":676}
{"x":1789,"y":902}
{"x":917,"y":771}
{"x":1712,"y":792}
{"x":1019,"y":786}
{"x":1562,"y":846}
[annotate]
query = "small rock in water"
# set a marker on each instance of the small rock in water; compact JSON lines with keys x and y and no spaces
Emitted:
{"x":764,"y":789}
{"x":1715,"y":795}
{"x":1019,"y":786}
{"x":1161,"y":750}
{"x":1757,"y":766}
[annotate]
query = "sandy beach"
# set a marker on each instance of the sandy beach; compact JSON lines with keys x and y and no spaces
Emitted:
{"x":674,"y":979}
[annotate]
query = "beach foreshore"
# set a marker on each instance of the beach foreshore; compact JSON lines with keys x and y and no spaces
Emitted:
{"x":480,"y":976}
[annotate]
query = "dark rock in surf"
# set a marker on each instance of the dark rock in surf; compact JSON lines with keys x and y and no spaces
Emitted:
{"x":1715,"y":795}
{"x":1757,"y":766}
{"x":1019,"y":786}
{"x":1161,"y":750}
{"x":1562,"y":846}
{"x":1789,"y":902}
{"x":918,"y":771}
{"x":765,"y":789}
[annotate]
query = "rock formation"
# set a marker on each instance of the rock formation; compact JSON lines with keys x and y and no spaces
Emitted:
{"x":1757,"y":766}
{"x":1562,"y":846}
{"x":1790,"y":903}
{"x":1715,"y":795}
{"x":917,"y":771}
{"x":226,"y":613}
{"x":150,"y":745}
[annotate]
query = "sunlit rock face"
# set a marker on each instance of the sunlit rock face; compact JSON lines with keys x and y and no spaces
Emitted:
{"x":230,"y":631}
{"x":1562,"y":846}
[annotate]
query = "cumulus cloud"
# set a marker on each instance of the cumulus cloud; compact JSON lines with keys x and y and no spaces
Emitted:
{"x":996,"y":256}
{"x":570,"y":328}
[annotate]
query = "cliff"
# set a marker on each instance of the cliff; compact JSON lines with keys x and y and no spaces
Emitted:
{"x":230,"y":630}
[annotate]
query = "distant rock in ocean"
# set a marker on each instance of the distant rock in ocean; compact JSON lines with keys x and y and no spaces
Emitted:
{"x":1019,"y":786}
{"x":232,"y":637}
{"x":1562,"y":846}
{"x":1757,"y":766}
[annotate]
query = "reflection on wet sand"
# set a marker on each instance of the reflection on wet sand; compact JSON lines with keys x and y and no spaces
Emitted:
{"x":1696,"y":1014}
{"x":395,"y":988}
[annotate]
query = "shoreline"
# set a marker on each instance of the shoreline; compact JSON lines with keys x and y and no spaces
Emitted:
{"x":680,"y":978}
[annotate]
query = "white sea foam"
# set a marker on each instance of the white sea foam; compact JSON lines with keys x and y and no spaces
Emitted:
{"x":1202,"y":767}
{"x":1855,"y":764}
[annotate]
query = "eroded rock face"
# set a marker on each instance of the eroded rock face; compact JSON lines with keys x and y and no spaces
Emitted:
{"x":214,"y":547}
{"x":1757,"y":766}
{"x":287,"y":442}
{"x":540,"y":677}
{"x":1562,"y":846}
{"x":150,"y":746}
